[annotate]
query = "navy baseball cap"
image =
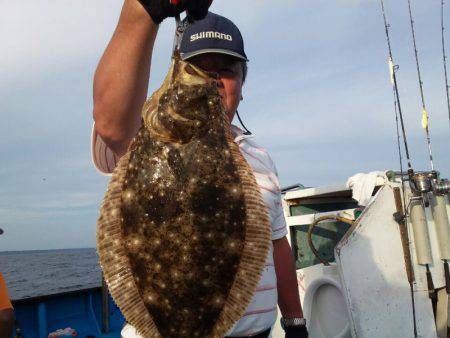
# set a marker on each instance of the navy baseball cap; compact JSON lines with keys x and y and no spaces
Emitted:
{"x":213,"y":34}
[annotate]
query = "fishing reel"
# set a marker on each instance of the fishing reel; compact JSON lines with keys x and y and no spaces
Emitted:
{"x":441,"y":187}
{"x":423,"y":182}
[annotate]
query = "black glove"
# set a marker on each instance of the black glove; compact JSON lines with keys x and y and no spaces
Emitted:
{"x":296,"y":332}
{"x":161,"y":9}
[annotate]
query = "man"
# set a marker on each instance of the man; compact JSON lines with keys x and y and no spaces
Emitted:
{"x":120,"y":89}
{"x":6,"y":309}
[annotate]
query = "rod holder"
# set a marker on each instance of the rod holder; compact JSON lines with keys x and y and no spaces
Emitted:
{"x":438,"y":206}
{"x":420,"y":232}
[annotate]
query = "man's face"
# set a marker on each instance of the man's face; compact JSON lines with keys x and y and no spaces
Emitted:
{"x":230,"y":79}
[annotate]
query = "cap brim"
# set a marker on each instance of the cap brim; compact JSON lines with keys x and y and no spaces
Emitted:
{"x":186,"y":56}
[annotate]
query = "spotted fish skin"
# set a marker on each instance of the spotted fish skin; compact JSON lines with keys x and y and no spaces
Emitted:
{"x":184,"y":228}
{"x":186,"y":243}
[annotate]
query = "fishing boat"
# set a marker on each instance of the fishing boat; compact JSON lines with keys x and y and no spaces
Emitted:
{"x":89,"y":313}
{"x":377,"y":271}
{"x":357,"y":266}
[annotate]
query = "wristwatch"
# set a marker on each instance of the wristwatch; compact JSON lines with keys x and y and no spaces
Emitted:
{"x":292,"y":322}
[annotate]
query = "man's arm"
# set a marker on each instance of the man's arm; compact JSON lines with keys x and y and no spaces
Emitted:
{"x":6,"y":323}
{"x":122,"y":75}
{"x":288,"y":298}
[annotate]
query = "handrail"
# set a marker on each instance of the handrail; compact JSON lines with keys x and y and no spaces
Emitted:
{"x":40,"y":298}
{"x":311,"y":228}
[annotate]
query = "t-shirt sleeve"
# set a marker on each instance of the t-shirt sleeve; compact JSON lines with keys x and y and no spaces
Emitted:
{"x":267,"y":178}
{"x":103,"y":157}
{"x":279,"y":227}
{"x":5,"y":302}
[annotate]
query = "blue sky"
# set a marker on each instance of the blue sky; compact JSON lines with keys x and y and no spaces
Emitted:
{"x":317,"y":97}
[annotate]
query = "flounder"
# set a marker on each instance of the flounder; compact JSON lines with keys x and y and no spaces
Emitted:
{"x":183,"y":233}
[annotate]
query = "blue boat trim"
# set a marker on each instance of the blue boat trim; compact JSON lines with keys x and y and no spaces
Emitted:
{"x":79,"y":309}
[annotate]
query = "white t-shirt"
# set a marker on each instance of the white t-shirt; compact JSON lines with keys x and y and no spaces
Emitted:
{"x":261,"y":313}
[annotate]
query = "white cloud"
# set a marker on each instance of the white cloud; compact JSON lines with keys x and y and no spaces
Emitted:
{"x":54,"y":33}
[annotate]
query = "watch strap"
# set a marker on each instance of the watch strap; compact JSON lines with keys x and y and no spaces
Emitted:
{"x":290,"y":322}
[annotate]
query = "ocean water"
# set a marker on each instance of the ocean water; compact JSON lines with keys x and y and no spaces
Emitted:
{"x":36,"y":273}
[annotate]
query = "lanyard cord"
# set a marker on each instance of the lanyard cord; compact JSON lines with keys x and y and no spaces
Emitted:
{"x":247,"y":132}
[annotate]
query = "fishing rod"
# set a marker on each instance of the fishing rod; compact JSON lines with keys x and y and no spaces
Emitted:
{"x":393,"y":69}
{"x":399,"y":151}
{"x":397,"y":105}
{"x":444,"y":58}
{"x":429,"y":187}
{"x":424,"y":110}
{"x":398,"y":113}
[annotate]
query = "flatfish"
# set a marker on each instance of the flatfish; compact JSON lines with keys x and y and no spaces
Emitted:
{"x":183,"y":233}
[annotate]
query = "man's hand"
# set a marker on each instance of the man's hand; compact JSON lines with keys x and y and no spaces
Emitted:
{"x":296,"y":332}
{"x":161,"y":9}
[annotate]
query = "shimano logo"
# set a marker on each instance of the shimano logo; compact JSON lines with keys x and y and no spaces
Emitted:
{"x":211,"y":35}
